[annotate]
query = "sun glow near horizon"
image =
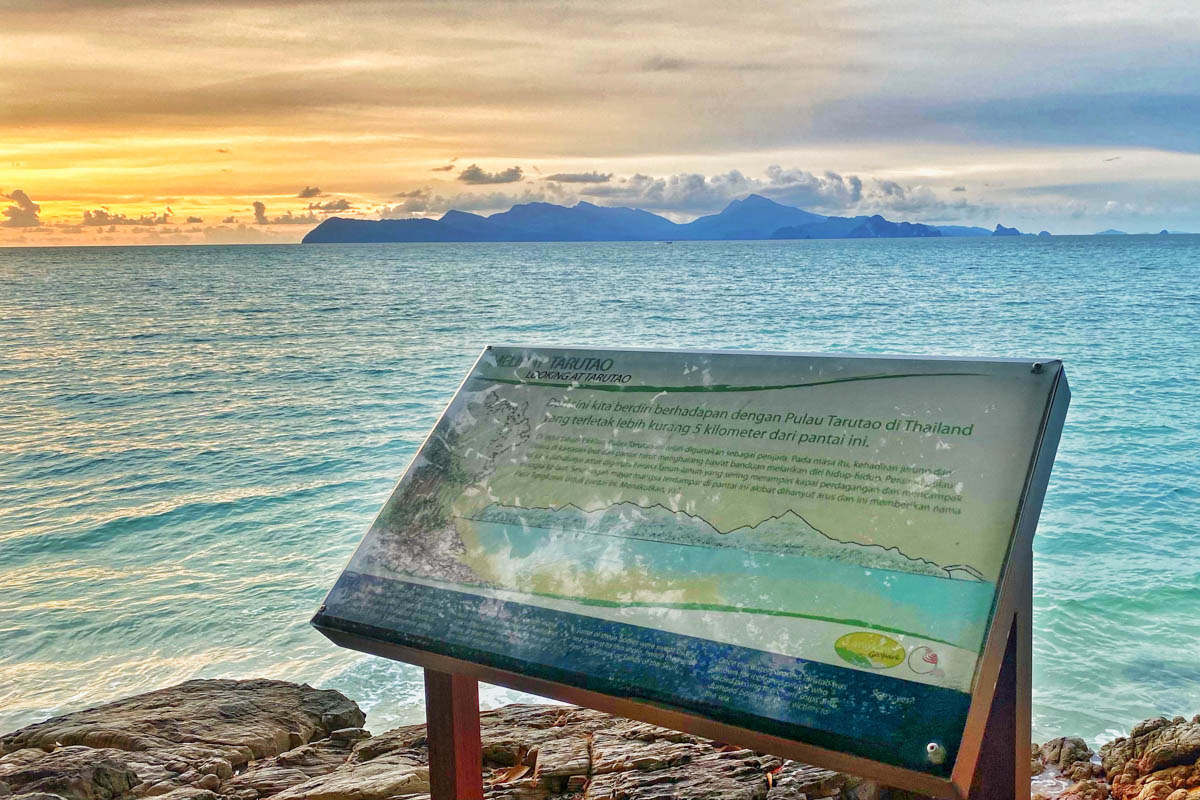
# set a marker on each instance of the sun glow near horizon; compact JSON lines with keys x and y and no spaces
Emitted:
{"x":168,"y":122}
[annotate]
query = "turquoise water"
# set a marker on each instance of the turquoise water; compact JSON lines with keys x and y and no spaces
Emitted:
{"x":952,"y":611}
{"x":192,"y":440}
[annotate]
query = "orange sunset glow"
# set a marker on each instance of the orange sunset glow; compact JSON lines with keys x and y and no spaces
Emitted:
{"x":159,"y":123}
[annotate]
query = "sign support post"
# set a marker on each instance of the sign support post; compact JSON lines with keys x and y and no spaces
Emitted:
{"x":1002,"y":771}
{"x":1003,"y":767}
{"x":455,"y":751}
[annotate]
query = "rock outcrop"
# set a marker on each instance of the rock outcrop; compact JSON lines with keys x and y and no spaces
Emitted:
{"x":260,"y":739}
{"x":190,"y":737}
{"x":252,"y":740}
{"x":1159,"y":759}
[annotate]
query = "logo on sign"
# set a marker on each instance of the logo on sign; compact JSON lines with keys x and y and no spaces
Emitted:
{"x":924,"y":661}
{"x":870,"y":650}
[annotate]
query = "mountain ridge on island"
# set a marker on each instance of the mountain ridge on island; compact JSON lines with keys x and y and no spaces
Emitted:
{"x":753,"y":217}
{"x":786,"y":533}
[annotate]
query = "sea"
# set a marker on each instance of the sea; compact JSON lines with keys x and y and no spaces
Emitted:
{"x":193,"y":439}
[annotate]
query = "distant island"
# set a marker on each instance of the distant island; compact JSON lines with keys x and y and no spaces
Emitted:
{"x":755,"y":217}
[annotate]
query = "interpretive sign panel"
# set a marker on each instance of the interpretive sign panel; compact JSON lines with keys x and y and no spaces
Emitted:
{"x":805,"y":546}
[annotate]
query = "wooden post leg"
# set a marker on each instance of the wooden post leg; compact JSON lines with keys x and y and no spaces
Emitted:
{"x":455,"y":753}
{"x":1003,"y":769}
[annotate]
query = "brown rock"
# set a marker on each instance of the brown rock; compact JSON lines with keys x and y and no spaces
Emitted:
{"x":198,"y":720}
{"x":189,"y":793}
{"x":1155,"y":790}
{"x":559,"y":760}
{"x":736,"y":775}
{"x":272,"y":775}
{"x":194,"y":734}
{"x":861,"y":789}
{"x":216,"y":766}
{"x":1065,"y":751}
{"x":616,"y":751}
{"x":378,"y":779}
{"x":25,"y":756}
{"x":509,"y":733}
{"x":1082,"y":771}
{"x":1157,"y":756}
{"x":210,"y":782}
{"x":814,"y":781}
{"x":1086,"y":790}
{"x":74,"y":773}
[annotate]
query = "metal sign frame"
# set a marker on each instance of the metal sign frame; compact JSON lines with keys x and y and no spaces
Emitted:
{"x":991,"y":762}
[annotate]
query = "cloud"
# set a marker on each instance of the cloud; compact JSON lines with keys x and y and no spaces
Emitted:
{"x":400,"y":211}
{"x":685,"y":193}
{"x":416,"y":201}
{"x":690,"y":194}
{"x":665,"y":64}
{"x":580,"y":177}
{"x":828,"y":191}
{"x":330,"y":206}
{"x":102,"y":217}
{"x":428,"y":203}
{"x":310,"y":191}
{"x":24,"y":214}
{"x":287,"y":218}
{"x":921,"y":203}
{"x":229,"y":220}
{"x":247,"y":234}
{"x":474,"y":175}
{"x":194,"y":220}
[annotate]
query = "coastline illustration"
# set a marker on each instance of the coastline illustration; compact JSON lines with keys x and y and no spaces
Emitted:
{"x":787,"y":533}
{"x":454,"y":522}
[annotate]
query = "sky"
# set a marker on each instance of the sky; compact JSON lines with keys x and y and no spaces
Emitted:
{"x":130,"y":122}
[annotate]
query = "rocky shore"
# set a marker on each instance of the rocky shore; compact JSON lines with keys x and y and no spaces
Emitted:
{"x":257,"y":739}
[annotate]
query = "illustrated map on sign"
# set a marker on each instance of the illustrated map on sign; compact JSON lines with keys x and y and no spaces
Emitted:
{"x":854,"y":512}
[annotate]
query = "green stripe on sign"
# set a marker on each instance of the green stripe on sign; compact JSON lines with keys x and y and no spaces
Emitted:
{"x":720,"y":387}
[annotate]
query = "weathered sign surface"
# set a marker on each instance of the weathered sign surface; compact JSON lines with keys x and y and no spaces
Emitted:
{"x":801,"y":545}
